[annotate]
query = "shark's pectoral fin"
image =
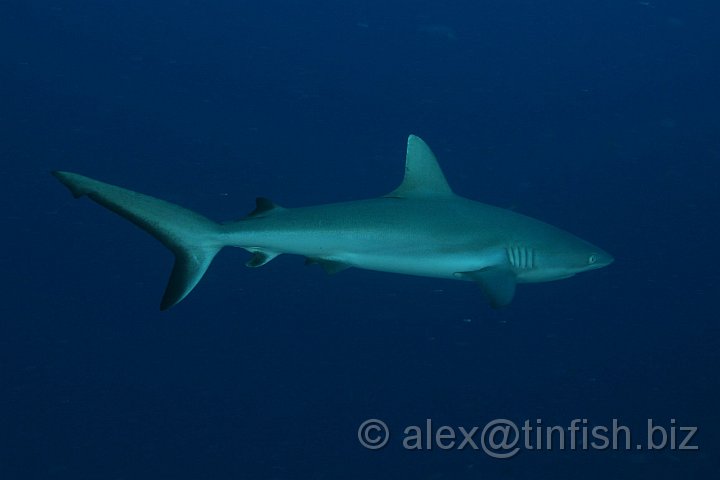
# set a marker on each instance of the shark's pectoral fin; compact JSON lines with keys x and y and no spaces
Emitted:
{"x":331,"y":267}
{"x":497,"y":283}
{"x":260,"y":258}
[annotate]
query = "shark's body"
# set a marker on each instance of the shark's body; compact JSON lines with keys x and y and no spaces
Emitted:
{"x":421,"y":228}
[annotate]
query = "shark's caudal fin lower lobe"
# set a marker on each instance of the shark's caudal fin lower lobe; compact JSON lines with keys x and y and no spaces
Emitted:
{"x":194,"y":239}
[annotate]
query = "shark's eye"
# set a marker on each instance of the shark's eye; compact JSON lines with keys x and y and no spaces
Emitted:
{"x":592,"y":259}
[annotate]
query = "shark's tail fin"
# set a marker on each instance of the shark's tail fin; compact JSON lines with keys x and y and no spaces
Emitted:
{"x":194,"y":239}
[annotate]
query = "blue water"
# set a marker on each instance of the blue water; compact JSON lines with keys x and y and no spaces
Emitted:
{"x":600,"y":117}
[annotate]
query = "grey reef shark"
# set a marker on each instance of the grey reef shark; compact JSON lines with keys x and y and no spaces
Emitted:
{"x":420,"y":228}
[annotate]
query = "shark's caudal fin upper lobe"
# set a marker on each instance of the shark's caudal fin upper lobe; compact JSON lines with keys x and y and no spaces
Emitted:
{"x":194,"y":239}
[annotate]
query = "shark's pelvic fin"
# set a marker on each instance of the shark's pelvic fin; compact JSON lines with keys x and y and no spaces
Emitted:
{"x":423,"y":176}
{"x":194,"y":239}
{"x":497,"y":283}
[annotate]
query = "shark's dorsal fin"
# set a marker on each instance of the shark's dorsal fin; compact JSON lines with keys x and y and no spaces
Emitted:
{"x":423,"y":176}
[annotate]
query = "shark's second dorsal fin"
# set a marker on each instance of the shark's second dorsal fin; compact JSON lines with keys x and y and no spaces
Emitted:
{"x":423,"y":176}
{"x":263,"y":206}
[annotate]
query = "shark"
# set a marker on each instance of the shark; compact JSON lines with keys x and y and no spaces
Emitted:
{"x":421,"y":228}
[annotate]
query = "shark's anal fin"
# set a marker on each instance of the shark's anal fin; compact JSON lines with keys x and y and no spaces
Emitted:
{"x":331,"y":267}
{"x":260,"y":258}
{"x":497,"y":283}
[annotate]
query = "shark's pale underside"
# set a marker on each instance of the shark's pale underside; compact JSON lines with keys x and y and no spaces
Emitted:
{"x":420,"y":228}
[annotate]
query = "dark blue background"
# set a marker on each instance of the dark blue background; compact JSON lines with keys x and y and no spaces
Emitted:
{"x":600,"y":117}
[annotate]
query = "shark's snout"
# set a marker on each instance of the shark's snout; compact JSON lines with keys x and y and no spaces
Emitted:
{"x":609,"y":259}
{"x":600,"y":259}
